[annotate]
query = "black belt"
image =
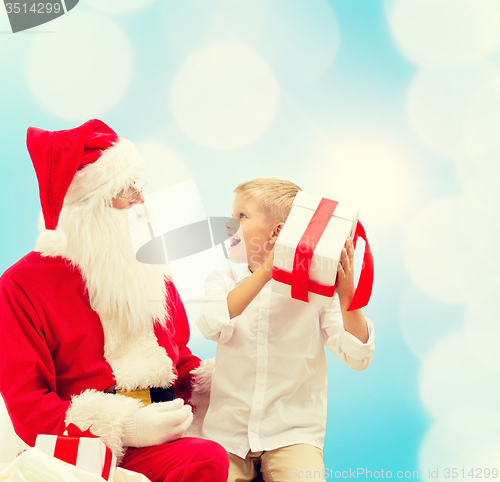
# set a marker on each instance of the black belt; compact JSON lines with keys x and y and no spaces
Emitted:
{"x":162,"y":394}
{"x":155,"y":394}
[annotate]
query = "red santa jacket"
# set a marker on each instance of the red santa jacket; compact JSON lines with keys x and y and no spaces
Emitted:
{"x":52,"y":360}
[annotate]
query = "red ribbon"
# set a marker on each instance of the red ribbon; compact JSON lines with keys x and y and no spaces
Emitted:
{"x":305,"y":249}
{"x":313,"y":287}
{"x":75,"y":431}
{"x":66,"y":448}
{"x":299,"y":278}
{"x":107,"y":463}
{"x":365,"y":283}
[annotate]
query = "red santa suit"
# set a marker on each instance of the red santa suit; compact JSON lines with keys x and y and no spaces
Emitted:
{"x":60,"y":362}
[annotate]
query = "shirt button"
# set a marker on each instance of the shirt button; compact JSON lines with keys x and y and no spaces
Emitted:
{"x":258,"y":400}
{"x":261,"y":370}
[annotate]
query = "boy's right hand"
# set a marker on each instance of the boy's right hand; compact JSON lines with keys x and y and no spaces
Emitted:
{"x":241,"y":296}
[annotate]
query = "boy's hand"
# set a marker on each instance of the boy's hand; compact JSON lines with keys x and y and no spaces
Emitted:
{"x":268,"y":264}
{"x":345,"y":274}
{"x":241,"y":296}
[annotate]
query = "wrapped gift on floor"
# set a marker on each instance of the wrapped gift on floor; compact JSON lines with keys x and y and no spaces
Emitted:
{"x":82,"y":449}
{"x":309,"y":249}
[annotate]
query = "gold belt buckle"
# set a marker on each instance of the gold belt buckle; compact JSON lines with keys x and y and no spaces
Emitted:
{"x":141,"y":394}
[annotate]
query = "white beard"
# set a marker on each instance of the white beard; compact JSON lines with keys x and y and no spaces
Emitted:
{"x":128,"y":296}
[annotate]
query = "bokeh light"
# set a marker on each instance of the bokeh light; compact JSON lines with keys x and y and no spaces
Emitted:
{"x":301,"y":39}
{"x":459,"y":373}
{"x":216,"y":21}
{"x":445,"y":31}
{"x":224,"y":96}
{"x":164,"y":167}
{"x":446,"y":253}
{"x":438,"y":99}
{"x":351,"y":168}
{"x":419,"y":316}
{"x":119,"y":6}
{"x":72,"y":75}
{"x":465,"y":439}
{"x":482,"y":127}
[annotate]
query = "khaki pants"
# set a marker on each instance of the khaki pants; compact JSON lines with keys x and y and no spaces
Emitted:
{"x":295,"y":462}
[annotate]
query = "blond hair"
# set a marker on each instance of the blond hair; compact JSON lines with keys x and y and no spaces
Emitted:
{"x":274,"y":196}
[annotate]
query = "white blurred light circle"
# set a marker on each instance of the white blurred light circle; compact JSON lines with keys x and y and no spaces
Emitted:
{"x":119,"y":6}
{"x":482,"y":185}
{"x":83,"y":70}
{"x":445,"y":31}
{"x":224,"y":96}
{"x":302,"y":39}
{"x":417,"y":318}
{"x":373,"y":175}
{"x":484,"y":315}
{"x":449,"y":250}
{"x":457,"y":374}
{"x":438,"y":99}
{"x":482,"y":127}
{"x":479,"y":169}
{"x":164,"y":167}
{"x":299,"y":39}
{"x":461,"y":439}
{"x":216,"y":21}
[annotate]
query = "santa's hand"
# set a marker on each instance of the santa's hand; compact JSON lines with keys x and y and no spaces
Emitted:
{"x":157,"y":424}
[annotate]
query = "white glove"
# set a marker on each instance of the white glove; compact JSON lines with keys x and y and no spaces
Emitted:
{"x":157,"y":424}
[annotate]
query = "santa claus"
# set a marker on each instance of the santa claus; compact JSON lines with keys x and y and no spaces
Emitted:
{"x":90,"y":336}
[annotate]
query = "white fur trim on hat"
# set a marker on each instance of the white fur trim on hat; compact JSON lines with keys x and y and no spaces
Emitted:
{"x":118,"y":167}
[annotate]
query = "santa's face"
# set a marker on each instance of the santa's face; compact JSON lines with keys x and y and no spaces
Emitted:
{"x":128,"y":198}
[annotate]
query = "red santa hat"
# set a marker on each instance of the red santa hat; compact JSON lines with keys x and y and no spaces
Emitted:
{"x":59,"y":155}
{"x":90,"y":163}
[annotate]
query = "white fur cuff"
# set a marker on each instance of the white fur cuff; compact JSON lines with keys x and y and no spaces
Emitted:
{"x":200,"y":394}
{"x":105,"y":414}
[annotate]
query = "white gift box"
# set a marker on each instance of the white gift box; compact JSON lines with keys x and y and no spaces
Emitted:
{"x":327,"y":251}
{"x":86,"y":453}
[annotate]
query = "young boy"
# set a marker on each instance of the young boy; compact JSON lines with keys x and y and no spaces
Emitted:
{"x":269,"y":387}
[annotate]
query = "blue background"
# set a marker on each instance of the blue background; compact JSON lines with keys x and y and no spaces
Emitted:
{"x":342,"y":97}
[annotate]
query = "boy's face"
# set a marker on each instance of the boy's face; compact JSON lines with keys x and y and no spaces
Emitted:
{"x":251,"y":243}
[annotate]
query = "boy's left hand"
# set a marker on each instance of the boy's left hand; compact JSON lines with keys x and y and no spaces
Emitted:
{"x":345,"y":274}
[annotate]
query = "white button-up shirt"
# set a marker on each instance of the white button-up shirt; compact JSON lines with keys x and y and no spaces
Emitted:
{"x":269,"y":385}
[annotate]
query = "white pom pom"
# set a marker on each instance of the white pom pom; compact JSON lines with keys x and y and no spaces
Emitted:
{"x":51,"y":243}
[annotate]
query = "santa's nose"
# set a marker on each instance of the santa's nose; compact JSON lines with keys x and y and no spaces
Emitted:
{"x":140,"y":199}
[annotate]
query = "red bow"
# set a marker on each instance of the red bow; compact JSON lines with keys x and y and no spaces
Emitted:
{"x":74,"y":431}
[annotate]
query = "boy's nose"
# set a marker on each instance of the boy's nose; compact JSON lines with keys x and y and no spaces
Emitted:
{"x":232,"y":227}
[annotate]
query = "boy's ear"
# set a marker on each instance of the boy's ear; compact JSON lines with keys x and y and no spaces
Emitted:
{"x":275,"y":232}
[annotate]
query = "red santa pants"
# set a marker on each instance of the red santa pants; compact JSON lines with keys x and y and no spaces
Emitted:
{"x":185,"y":460}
